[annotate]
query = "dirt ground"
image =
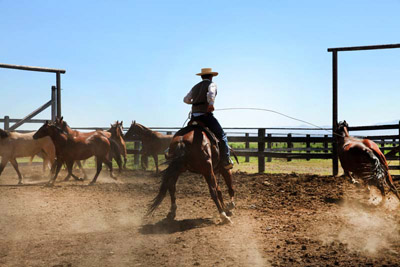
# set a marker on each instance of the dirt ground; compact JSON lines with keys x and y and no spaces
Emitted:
{"x":280,"y":220}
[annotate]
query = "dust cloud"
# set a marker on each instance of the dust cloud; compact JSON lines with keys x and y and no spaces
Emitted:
{"x":366,"y":229}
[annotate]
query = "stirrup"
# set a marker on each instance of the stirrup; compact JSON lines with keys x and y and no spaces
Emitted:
{"x":228,"y":164}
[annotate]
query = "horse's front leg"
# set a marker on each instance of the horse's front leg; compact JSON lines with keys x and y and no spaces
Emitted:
{"x":144,"y":160}
{"x":4,"y":160}
{"x":99,"y":164}
{"x":58,"y":168}
{"x":351,"y":178}
{"x":15,"y":165}
{"x":155,"y":157}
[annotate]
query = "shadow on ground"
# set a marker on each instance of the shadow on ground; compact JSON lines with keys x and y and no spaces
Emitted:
{"x":167,"y":226}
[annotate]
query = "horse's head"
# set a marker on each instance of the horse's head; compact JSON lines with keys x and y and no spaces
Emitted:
{"x":4,"y":134}
{"x":48,"y":129}
{"x":342,"y":129}
{"x":132,"y":130}
{"x":59,"y":122}
{"x":117,"y":129}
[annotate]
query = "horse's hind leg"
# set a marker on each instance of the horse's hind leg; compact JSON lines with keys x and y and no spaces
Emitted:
{"x":227,"y":174}
{"x":172,"y":189}
{"x":99,"y":162}
{"x":216,"y":195}
{"x":15,"y":165}
{"x":110,"y":167}
{"x":392,"y":187}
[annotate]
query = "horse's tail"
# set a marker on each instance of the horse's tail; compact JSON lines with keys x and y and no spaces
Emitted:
{"x":170,"y":175}
{"x":115,"y":152}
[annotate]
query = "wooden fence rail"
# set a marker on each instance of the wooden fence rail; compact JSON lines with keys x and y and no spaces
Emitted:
{"x":265,"y":145}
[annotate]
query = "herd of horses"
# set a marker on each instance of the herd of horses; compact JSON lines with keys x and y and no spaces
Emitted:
{"x":193,"y":148}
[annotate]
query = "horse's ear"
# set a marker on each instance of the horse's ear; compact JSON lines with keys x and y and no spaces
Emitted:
{"x":62,"y":118}
{"x":46,"y":123}
{"x":121,"y":123}
{"x":134,"y":122}
{"x":111,"y":125}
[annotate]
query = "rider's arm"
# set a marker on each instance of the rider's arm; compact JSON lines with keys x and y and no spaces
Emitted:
{"x":188,"y":98}
{"x":211,"y":94}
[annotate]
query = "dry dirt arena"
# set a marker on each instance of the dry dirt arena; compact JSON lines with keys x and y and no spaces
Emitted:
{"x":280,"y":220}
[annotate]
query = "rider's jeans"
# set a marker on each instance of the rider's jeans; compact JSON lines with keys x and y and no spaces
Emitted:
{"x":211,"y":122}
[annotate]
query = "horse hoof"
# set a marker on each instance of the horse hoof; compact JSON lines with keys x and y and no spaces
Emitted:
{"x":49,"y":185}
{"x":229,"y":213}
{"x":171,"y":216}
{"x":20,"y":183}
{"x":225,"y":219}
{"x":91,"y":183}
{"x":230,"y":206}
{"x":81,"y":179}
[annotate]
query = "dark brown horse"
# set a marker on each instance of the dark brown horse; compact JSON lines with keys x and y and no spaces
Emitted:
{"x":194,"y":149}
{"x":363,"y":158}
{"x":153,"y":143}
{"x":71,"y":148}
{"x":108,"y":134}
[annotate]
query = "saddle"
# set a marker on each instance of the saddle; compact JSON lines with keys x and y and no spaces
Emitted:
{"x":192,"y":125}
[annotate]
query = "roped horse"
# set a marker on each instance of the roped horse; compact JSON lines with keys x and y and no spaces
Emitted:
{"x":72,"y":148}
{"x":14,"y":145}
{"x":363,"y":158}
{"x":193,"y":148}
{"x":153,"y":143}
{"x":108,"y":134}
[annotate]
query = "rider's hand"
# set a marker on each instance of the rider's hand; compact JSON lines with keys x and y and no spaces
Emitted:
{"x":210,"y":108}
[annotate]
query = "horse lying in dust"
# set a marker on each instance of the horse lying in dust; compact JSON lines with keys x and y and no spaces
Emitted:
{"x":363,"y":158}
{"x":153,"y":143}
{"x":70,"y":148}
{"x":193,"y":148}
{"x":108,"y":134}
{"x":15,"y":145}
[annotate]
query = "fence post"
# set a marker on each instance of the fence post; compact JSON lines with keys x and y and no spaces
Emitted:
{"x":136,"y":155}
{"x":325,"y":143}
{"x":53,"y":103}
{"x":261,"y":149}
{"x":247,"y":146}
{"x":6,"y":122}
{"x":308,"y":145}
{"x":269,"y":145}
{"x":399,"y":143}
{"x":289,"y":146}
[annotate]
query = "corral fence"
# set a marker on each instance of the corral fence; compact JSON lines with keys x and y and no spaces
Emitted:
{"x":266,"y":144}
{"x":291,"y":143}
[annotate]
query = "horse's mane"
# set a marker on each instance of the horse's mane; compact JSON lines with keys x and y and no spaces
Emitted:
{"x":143,"y":130}
{"x":4,"y":134}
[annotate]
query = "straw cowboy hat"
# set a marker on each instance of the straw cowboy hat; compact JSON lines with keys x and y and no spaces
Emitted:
{"x":206,"y":71}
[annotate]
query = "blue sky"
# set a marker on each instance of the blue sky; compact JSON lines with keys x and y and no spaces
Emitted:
{"x":136,"y":60}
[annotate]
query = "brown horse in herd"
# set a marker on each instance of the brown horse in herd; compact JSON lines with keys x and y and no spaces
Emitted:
{"x":117,"y":134}
{"x":363,"y":158}
{"x":113,"y":133}
{"x":14,"y":145}
{"x":153,"y":143}
{"x":193,"y":148}
{"x":74,"y":145}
